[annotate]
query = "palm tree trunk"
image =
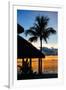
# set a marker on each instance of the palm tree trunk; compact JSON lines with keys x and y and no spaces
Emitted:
{"x":41,"y":44}
{"x":40,"y":59}
{"x":40,"y":66}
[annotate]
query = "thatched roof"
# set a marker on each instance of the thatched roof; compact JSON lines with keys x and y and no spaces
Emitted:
{"x":20,"y":29}
{"x":27,"y":50}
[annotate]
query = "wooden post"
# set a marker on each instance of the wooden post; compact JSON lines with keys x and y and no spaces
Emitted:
{"x":30,"y":64}
{"x":40,"y":66}
{"x":22,"y":61}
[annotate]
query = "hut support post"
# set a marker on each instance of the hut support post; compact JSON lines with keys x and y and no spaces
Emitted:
{"x":22,"y":61}
{"x":30,"y":64}
{"x":40,"y":66}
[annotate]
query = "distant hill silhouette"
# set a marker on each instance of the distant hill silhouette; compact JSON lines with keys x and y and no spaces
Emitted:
{"x":50,"y":51}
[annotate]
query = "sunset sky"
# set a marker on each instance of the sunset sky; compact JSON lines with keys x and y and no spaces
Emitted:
{"x":26,"y":18}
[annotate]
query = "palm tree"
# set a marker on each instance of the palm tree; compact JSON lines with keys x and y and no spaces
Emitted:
{"x":40,"y":30}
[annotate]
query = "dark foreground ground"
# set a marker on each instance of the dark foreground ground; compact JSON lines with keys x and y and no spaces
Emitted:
{"x":36,"y":76}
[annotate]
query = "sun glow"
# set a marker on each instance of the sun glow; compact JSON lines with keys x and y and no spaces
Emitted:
{"x":37,"y":45}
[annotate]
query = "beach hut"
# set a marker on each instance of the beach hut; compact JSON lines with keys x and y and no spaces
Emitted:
{"x":27,"y":50}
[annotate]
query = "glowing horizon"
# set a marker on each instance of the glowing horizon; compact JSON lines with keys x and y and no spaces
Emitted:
{"x":37,"y":45}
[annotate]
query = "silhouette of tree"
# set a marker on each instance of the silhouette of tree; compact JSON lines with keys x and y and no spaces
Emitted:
{"x":40,"y":30}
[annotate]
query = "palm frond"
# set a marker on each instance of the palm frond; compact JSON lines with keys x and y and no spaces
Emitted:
{"x":40,"y":29}
{"x":50,"y":31}
{"x":36,"y":26}
{"x":38,"y":20}
{"x":44,"y":21}
{"x":47,"y":32}
{"x":44,"y":37}
{"x":30,"y":32}
{"x":33,"y":39}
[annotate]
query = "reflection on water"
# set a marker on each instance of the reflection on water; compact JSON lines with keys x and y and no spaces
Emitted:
{"x":49,"y":64}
